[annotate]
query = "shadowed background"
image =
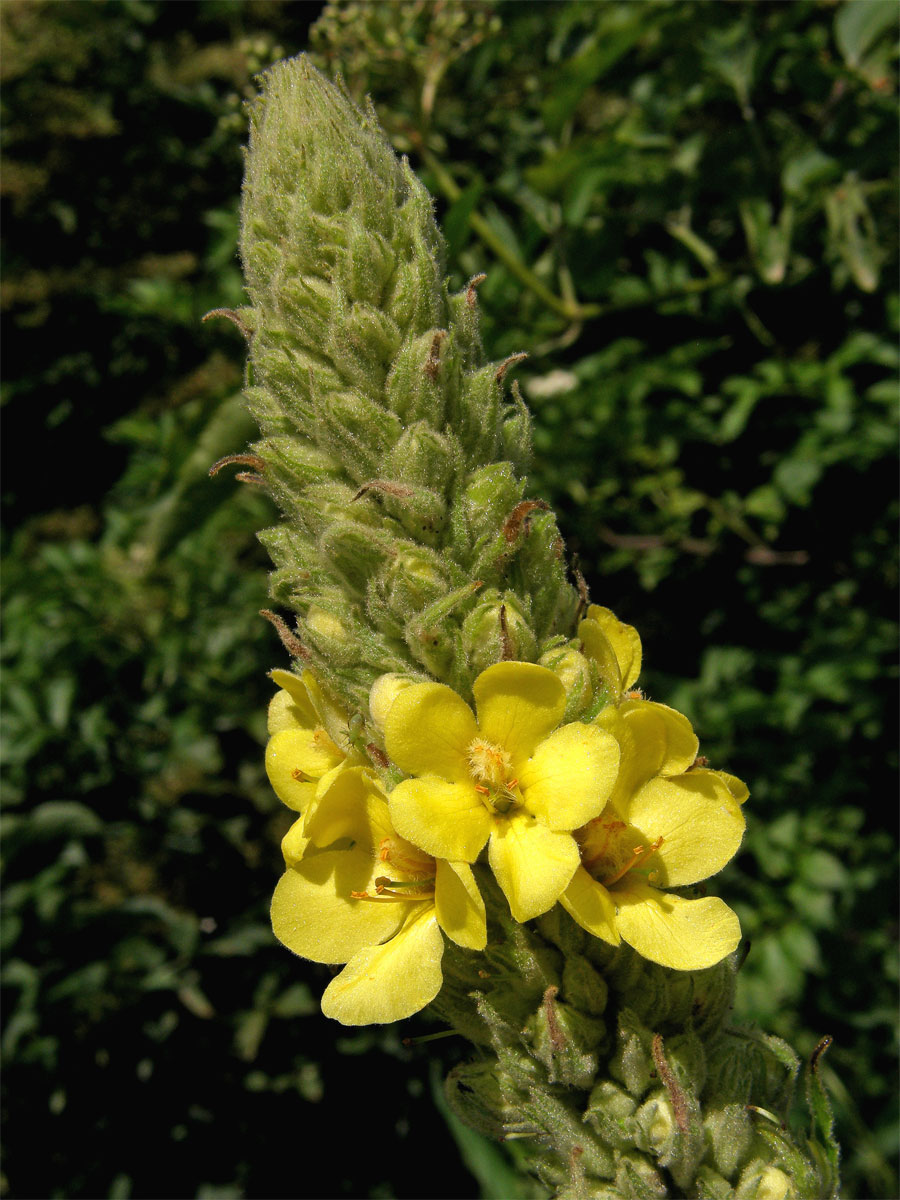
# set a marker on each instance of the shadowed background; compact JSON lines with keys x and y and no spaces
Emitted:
{"x":686,"y":213}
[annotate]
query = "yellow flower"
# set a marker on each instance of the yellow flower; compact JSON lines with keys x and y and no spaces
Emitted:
{"x":512,"y":776}
{"x":666,"y":825}
{"x":308,"y":739}
{"x":357,"y":893}
{"x":614,"y":646}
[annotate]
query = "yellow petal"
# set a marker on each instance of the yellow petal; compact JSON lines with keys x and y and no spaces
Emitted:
{"x":295,"y":686}
{"x":446,"y":820}
{"x":389,"y":982}
{"x":736,"y":786}
{"x":533,"y":864}
{"x":293,"y":844}
{"x":614,"y":646}
{"x":428,"y":730}
{"x":290,"y":783}
{"x":664,"y":741}
{"x":459,"y":906}
{"x":290,"y":708}
{"x":591,"y":905}
{"x":570,"y":776}
{"x":699,"y":820}
{"x":352,"y":805}
{"x":313,"y":914}
{"x":329,"y":716}
{"x":685,"y":934}
{"x":300,"y":755}
{"x":518,"y":705}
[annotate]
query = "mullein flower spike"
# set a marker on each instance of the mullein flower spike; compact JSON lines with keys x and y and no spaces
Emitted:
{"x":490,"y":819}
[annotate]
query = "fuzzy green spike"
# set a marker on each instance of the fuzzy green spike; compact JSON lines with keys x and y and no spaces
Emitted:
{"x":368,"y":382}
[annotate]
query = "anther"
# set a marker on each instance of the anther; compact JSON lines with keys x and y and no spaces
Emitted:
{"x":638,"y":854}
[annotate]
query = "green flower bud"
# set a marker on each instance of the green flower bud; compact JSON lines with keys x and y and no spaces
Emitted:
{"x":583,"y":986}
{"x":610,"y":1110}
{"x":633,"y":1062}
{"x":299,"y":463}
{"x":711,"y":1185}
{"x":431,"y":639}
{"x":474,"y":1093}
{"x":574,"y":671}
{"x":421,"y":512}
{"x":356,"y":551}
{"x":414,"y":389}
{"x":655,"y":1121}
{"x":765,"y":1182}
{"x":476,"y":416}
{"x":413,"y":579}
{"x":356,"y":431}
{"x":490,"y":495}
{"x":496,"y":629}
{"x":516,"y":441}
{"x":423,"y":456}
{"x":729,"y":1132}
{"x":331,"y":634}
{"x":364,"y":272}
{"x":637,"y":1176}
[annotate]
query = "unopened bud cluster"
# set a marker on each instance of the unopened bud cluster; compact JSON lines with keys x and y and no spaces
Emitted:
{"x":394,"y":451}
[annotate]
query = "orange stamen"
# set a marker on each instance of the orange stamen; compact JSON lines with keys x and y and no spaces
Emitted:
{"x":639,"y":853}
{"x":385,"y":890}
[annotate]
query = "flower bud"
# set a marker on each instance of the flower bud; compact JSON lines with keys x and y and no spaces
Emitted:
{"x":414,"y":388}
{"x":496,"y":630}
{"x":574,"y":672}
{"x":768,"y":1183}
{"x":729,"y":1132}
{"x":476,"y":415}
{"x":413,"y":579}
{"x":610,"y":1110}
{"x":299,"y":462}
{"x":583,"y":986}
{"x":637,"y":1176}
{"x":330,"y":634}
{"x":357,"y":552}
{"x":383,"y":693}
{"x":655,"y":1122}
{"x":355,"y":430}
{"x":421,"y":512}
{"x":423,"y":456}
{"x":490,"y":495}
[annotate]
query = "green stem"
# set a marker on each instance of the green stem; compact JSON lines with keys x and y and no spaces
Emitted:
{"x":570,"y":310}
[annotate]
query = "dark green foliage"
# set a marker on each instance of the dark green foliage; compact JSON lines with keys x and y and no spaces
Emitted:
{"x":686,"y":216}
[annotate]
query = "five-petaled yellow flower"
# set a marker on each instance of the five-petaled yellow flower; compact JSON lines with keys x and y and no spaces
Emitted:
{"x":357,"y":893}
{"x":668,"y":824}
{"x":512,"y":776}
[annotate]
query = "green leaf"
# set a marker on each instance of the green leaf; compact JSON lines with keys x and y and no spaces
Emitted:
{"x":859,"y":24}
{"x":621,"y":28}
{"x":456,"y":219}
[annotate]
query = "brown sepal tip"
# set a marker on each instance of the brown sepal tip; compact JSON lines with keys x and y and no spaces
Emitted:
{"x":289,"y":640}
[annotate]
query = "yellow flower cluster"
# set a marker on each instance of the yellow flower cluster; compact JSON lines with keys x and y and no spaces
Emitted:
{"x":603,"y":815}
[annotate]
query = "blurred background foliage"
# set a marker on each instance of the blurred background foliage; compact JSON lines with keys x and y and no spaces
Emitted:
{"x":687,"y":216}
